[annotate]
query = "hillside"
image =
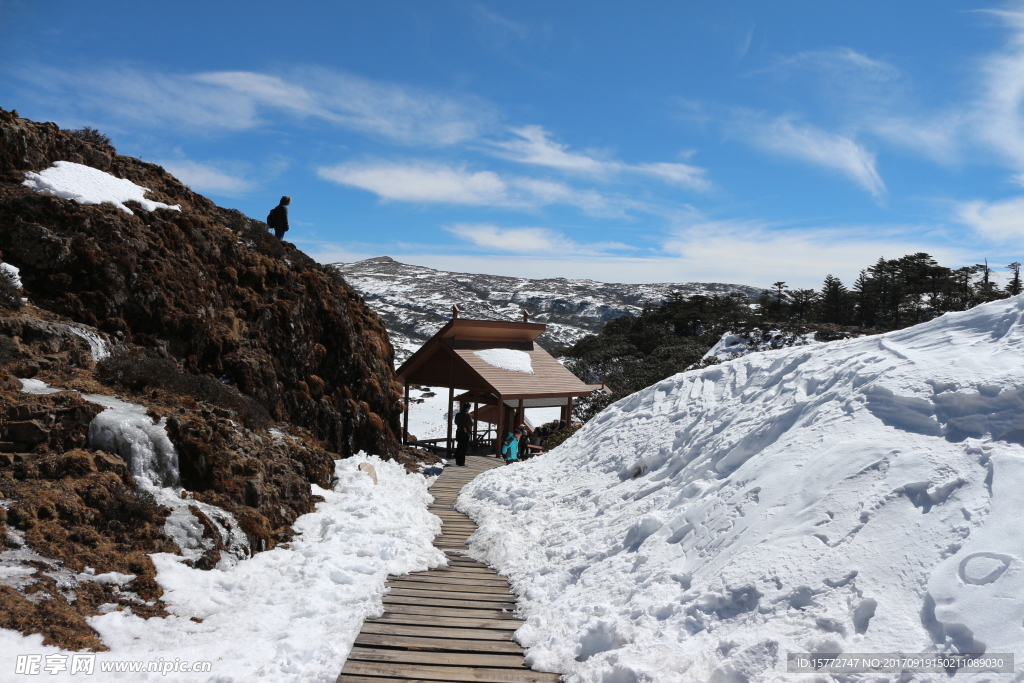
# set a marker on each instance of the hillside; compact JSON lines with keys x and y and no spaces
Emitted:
{"x":173,"y":380}
{"x":861,"y":496}
{"x":414,"y":301}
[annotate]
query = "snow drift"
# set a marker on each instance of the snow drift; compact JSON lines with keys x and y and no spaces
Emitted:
{"x":287,"y":614}
{"x":860,"y":496}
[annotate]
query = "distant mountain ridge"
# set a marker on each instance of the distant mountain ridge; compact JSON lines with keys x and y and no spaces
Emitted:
{"x":414,"y":301}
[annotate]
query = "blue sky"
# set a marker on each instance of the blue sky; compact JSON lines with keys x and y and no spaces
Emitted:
{"x":656,"y":141}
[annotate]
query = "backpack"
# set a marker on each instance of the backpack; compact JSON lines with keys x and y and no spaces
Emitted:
{"x":274,"y":218}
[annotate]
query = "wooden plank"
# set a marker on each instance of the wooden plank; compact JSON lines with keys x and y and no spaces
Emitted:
{"x":433,"y":611}
{"x":451,"y":579}
{"x":423,"y":642}
{"x":479,"y":623}
{"x":441,"y":591}
{"x":446,"y":673}
{"x":433,"y":631}
{"x":503,"y":661}
{"x":460,"y":602}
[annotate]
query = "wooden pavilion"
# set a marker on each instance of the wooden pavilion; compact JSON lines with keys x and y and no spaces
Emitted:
{"x":500,"y":395}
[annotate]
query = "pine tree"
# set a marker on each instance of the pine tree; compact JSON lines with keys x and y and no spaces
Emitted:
{"x":780,"y":289}
{"x":1013,"y":287}
{"x":834,"y":301}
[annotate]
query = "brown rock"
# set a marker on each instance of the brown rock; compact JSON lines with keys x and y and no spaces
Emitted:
{"x":28,"y":432}
{"x":208,"y":285}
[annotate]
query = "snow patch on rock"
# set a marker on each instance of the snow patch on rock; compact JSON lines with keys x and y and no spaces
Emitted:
{"x":12,"y":273}
{"x":287,"y":615}
{"x":859,"y":496}
{"x":507,"y":359}
{"x":37,"y":386}
{"x":87,"y":185}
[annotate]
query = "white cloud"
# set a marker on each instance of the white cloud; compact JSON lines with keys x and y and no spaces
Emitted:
{"x":997,"y":113}
{"x":684,"y":175}
{"x":423,"y":182}
{"x":739,"y":252}
{"x":533,"y":145}
{"x":519,"y":240}
{"x":439,"y":183}
{"x":241,"y":100}
{"x":206,"y":178}
{"x":1000,"y":221}
{"x":529,"y":241}
{"x":815,"y":146}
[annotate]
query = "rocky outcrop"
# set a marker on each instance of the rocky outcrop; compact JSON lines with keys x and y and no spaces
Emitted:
{"x":206,"y":285}
{"x":260,"y":365}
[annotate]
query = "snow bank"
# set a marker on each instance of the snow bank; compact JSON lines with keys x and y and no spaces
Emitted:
{"x":732,"y":346}
{"x":860,"y":496}
{"x":288,"y":614}
{"x":87,"y":185}
{"x":507,"y":359}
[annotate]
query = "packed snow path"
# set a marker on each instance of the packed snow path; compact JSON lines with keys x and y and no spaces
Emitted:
{"x":452,"y":623}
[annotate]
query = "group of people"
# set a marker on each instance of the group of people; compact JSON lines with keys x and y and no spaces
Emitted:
{"x":515,"y":447}
{"x":517,"y":444}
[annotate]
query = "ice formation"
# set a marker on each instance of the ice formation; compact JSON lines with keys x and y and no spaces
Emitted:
{"x":126,"y":429}
{"x":13,"y":274}
{"x":87,"y":185}
{"x":507,"y":359}
{"x":857,"y":496}
{"x":97,"y":344}
{"x":37,"y":386}
{"x":289,"y":614}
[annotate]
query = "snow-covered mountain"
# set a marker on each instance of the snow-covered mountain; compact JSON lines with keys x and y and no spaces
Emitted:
{"x":414,"y":301}
{"x":861,"y":496}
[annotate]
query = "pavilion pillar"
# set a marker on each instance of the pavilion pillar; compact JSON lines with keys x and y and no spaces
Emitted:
{"x":451,"y":397}
{"x":405,"y":414}
{"x":451,"y":407}
{"x":568,"y":411}
{"x":476,"y":407}
{"x":520,"y":414}
{"x":501,"y":421}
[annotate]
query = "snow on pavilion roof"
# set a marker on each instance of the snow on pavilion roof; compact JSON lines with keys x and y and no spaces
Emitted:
{"x":449,"y":359}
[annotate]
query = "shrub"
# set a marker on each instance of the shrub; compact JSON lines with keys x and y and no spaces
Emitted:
{"x":8,"y":349}
{"x":139,"y":370}
{"x":90,"y":135}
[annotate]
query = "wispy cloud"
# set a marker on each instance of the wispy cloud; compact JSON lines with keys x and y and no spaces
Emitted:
{"x":1000,"y":221}
{"x":815,"y":146}
{"x":531,"y":241}
{"x":997,"y":113}
{"x":422,"y":182}
{"x":207,"y":178}
{"x":242,"y":100}
{"x":429,"y":182}
{"x":533,"y":145}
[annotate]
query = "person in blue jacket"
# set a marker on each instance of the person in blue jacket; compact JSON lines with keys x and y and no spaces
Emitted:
{"x":511,"y":447}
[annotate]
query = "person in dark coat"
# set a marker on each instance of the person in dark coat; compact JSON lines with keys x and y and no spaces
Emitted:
{"x":277,"y":219}
{"x":463,"y":429}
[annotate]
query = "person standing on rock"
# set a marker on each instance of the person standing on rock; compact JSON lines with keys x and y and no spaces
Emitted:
{"x":463,"y":427}
{"x":277,"y":219}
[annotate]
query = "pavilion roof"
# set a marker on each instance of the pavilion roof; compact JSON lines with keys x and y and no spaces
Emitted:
{"x":448,"y":359}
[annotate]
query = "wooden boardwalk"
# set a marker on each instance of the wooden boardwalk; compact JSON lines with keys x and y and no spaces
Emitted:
{"x":452,"y":623}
